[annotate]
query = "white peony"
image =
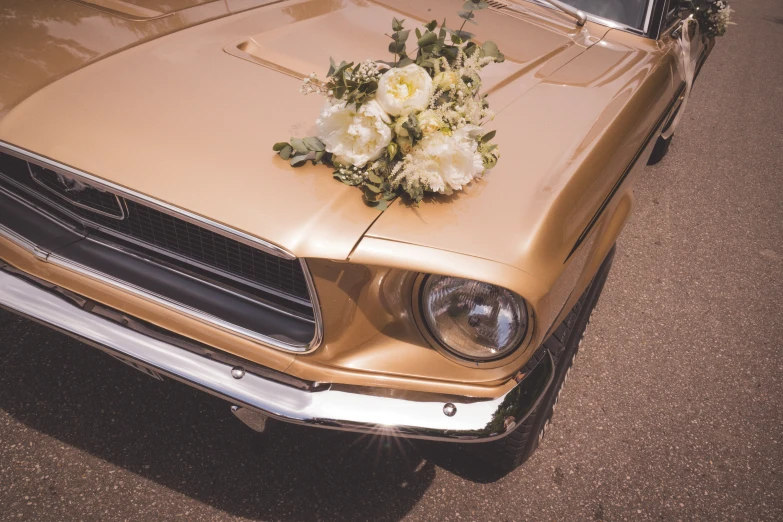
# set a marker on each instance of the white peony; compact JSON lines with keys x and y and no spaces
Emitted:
{"x":445,"y":163}
{"x":404,"y":89}
{"x":356,"y":137}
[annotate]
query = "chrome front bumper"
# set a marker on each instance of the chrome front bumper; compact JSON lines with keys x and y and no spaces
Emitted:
{"x":360,"y":409}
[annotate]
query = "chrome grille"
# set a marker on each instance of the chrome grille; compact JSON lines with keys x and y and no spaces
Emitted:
{"x":78,"y":194}
{"x":190,"y":246}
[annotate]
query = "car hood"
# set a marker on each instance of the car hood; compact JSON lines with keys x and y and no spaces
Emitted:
{"x":189,"y":118}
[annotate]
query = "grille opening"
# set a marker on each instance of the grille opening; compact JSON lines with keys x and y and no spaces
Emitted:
{"x":78,"y":194}
{"x":161,"y":237}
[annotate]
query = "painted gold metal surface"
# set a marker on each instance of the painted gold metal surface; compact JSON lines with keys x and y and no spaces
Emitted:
{"x":188,"y":120}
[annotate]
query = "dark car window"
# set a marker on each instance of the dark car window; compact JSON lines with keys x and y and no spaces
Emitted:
{"x":632,"y":13}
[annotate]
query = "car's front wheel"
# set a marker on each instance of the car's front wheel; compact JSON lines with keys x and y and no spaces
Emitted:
{"x":514,"y":449}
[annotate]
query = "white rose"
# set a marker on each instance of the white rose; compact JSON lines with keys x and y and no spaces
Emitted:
{"x":357,"y":137}
{"x":404,"y":89}
{"x":447,"y":163}
{"x":429,"y":122}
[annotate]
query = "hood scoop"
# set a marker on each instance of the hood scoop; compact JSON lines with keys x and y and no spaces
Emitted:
{"x":302,"y":37}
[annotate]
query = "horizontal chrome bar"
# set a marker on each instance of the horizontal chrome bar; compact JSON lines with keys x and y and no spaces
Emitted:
{"x":67,"y":264}
{"x":359,"y":409}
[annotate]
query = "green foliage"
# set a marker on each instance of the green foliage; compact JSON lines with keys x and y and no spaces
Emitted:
{"x":353,"y":83}
{"x":298,"y":150}
{"x":707,"y":14}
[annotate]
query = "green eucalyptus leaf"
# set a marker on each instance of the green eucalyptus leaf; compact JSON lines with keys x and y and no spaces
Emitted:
{"x":368,"y":194}
{"x":313,"y":143}
{"x":488,"y":136}
{"x":299,"y":146}
{"x":286,"y":151}
{"x":298,"y":160}
{"x":374,"y":178}
{"x":401,"y":36}
{"x":277,"y":147}
{"x":428,"y":38}
{"x":490,"y":49}
{"x":397,"y":24}
{"x":396,"y":47}
{"x":381,"y":204}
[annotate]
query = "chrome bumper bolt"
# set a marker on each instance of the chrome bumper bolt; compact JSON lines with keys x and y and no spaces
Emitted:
{"x":237,"y":372}
{"x":449,"y":409}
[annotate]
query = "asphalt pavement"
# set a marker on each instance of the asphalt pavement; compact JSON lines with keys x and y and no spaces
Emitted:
{"x":674,"y":409}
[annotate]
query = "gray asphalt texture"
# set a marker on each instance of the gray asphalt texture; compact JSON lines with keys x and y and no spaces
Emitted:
{"x":674,"y":410}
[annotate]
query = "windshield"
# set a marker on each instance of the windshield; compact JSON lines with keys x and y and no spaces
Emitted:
{"x":632,"y":13}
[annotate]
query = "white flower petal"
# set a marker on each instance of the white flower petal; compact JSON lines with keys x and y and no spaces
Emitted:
{"x":404,"y":89}
{"x":355,"y":136}
{"x":444,"y":163}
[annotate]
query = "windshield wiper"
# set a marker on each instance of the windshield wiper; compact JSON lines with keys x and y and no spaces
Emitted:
{"x":581,"y":18}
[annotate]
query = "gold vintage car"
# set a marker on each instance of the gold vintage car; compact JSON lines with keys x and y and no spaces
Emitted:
{"x":143,"y":211}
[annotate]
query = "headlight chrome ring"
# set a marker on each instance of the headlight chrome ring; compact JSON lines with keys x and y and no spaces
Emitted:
{"x":474,"y":321}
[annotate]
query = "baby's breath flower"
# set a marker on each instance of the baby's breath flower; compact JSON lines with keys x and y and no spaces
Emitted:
{"x":311,"y":85}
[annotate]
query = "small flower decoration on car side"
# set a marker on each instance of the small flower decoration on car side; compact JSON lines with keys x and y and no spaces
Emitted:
{"x":714,"y":16}
{"x":411,"y":126}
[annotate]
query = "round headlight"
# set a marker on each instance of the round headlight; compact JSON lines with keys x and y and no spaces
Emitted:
{"x":474,"y":320}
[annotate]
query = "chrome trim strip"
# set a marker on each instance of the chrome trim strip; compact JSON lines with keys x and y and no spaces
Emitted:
{"x":196,"y":219}
{"x":318,"y":337}
{"x":650,"y":5}
{"x":23,"y":243}
{"x":412,"y":415}
{"x":123,"y":213}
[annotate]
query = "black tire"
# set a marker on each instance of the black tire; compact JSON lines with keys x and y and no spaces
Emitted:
{"x":660,"y":150}
{"x":515,"y":448}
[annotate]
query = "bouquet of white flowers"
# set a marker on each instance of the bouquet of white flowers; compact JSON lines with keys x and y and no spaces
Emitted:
{"x":409,"y":126}
{"x":714,"y":16}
